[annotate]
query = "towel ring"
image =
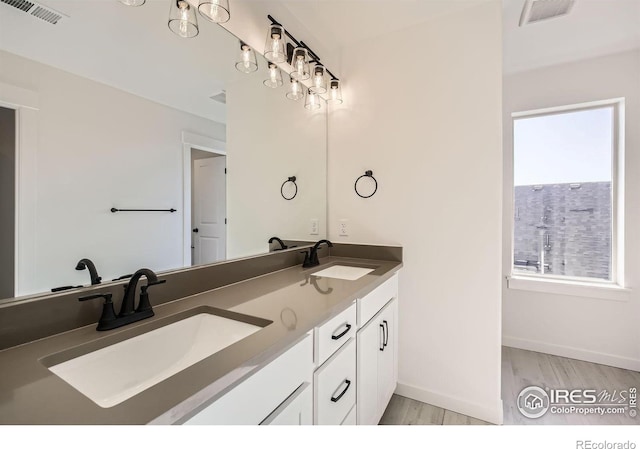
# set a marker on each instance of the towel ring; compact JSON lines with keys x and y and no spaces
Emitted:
{"x":367,"y":174}
{"x":291,"y":179}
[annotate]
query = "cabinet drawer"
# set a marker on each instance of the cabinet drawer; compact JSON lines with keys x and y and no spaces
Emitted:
{"x":369,"y":305}
{"x":255,"y":398}
{"x":335,"y":386}
{"x":333,"y":334}
{"x":297,"y":410}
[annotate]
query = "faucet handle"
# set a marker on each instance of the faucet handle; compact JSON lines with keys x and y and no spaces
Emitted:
{"x":108,"y":313}
{"x":144,"y":305}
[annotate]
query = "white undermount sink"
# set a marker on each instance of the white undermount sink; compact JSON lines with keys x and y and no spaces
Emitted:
{"x":115,"y":373}
{"x":343,"y":272}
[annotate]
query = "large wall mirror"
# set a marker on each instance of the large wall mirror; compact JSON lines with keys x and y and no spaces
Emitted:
{"x":108,"y":109}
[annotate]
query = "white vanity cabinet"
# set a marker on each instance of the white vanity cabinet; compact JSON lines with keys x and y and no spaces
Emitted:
{"x":260,"y":396}
{"x":377,"y":356}
{"x":343,"y":372}
{"x":297,"y":410}
{"x":335,"y":387}
{"x":334,"y":381}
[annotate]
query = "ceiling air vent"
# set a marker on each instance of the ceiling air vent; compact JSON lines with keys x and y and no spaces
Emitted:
{"x":538,"y":10}
{"x":22,"y":5}
{"x":36,"y":10}
{"x":220,"y":97}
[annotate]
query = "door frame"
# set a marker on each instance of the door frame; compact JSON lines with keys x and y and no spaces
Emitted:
{"x":193,"y":141}
{"x":26,"y":104}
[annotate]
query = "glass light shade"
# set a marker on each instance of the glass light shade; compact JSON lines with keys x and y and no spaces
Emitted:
{"x":133,"y":2}
{"x":216,"y":11}
{"x":300,"y":64}
{"x":318,"y":81}
{"x":335,"y":92}
{"x":296,"y":90}
{"x":182,"y":19}
{"x":274,"y":49}
{"x":275,"y":77}
{"x":313,"y":101}
{"x":247,"y":61}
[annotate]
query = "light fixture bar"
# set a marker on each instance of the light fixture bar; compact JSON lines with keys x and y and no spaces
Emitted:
{"x":316,"y":58}
{"x":313,"y":54}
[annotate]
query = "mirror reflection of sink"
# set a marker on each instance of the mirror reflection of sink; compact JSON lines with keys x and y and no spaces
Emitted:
{"x":343,"y":272}
{"x":115,"y":373}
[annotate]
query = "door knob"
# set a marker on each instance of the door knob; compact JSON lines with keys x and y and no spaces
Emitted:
{"x":196,"y":230}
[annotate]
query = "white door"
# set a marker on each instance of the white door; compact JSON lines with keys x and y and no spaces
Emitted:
{"x":370,"y":341}
{"x":209,"y":210}
{"x":387,"y":357}
{"x":377,"y":365}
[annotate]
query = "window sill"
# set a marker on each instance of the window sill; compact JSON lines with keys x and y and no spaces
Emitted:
{"x":611,"y":292}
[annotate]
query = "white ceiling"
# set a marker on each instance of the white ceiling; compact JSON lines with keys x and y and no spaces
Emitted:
{"x":345,"y":22}
{"x":133,"y":50}
{"x":129,"y":48}
{"x":593,"y":28}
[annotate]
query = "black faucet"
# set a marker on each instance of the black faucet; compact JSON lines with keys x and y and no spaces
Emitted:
{"x":128,"y":312}
{"x":311,"y":257}
{"x":86,"y":263}
{"x":282,"y":245}
{"x":128,"y":302}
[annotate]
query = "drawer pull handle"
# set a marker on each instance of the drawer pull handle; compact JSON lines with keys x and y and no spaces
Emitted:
{"x":342,"y":334}
{"x":337,"y":398}
{"x":386,"y":333}
{"x":382,"y":337}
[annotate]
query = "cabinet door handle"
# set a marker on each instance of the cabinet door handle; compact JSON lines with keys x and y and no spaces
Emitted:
{"x":337,"y":398}
{"x":343,"y":333}
{"x":382,"y":337}
{"x":386,"y":334}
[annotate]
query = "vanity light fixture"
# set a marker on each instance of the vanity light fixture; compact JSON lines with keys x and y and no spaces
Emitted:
{"x":299,"y":56}
{"x":216,"y":11}
{"x":335,"y":92}
{"x":296,"y":90}
{"x":274,"y":48}
{"x":247,"y":61}
{"x":300,"y":64}
{"x":275,"y":76}
{"x":313,"y":101}
{"x":318,"y":82}
{"x":133,"y":2}
{"x":182,"y":19}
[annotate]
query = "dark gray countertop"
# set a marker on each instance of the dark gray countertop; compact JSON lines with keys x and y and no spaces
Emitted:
{"x":294,"y":301}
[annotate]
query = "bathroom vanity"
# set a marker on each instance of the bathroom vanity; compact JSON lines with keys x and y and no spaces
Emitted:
{"x":308,"y":350}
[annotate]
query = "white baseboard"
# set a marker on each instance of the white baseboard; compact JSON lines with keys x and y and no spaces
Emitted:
{"x":572,"y":353}
{"x":492,"y":414}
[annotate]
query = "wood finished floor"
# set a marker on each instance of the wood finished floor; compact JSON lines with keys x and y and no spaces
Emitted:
{"x":521,"y":369}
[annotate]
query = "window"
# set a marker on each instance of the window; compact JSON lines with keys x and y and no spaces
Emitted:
{"x":565,"y":192}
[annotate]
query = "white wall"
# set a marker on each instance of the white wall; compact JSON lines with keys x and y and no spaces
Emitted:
{"x":592,"y":329}
{"x":99,"y":147}
{"x":264,"y":149}
{"x":423,"y":111}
